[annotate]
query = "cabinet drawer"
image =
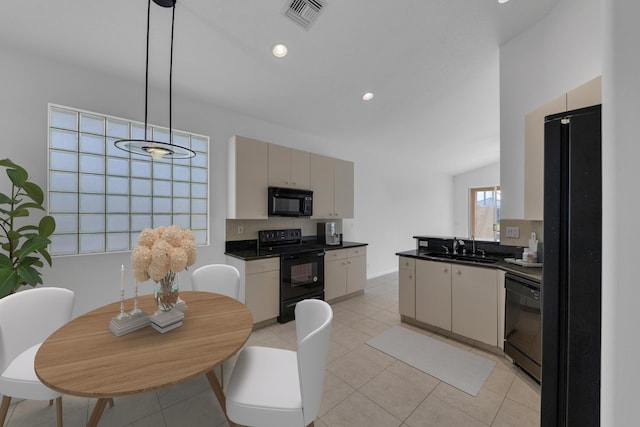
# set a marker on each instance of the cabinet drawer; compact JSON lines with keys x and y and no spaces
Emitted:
{"x":262,"y":265}
{"x":335,"y":254}
{"x":359,"y":251}
{"x":406,"y":263}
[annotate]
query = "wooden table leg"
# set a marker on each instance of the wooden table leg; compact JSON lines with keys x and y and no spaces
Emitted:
{"x":97,"y":411}
{"x":217,"y":390}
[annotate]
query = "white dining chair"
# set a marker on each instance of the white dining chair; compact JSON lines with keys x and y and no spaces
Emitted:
{"x":27,"y":318}
{"x":219,"y":278}
{"x":273,"y":387}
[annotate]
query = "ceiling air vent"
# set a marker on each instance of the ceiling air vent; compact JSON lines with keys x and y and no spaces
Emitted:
{"x":304,"y":12}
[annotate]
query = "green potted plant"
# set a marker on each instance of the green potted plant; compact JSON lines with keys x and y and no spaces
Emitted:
{"x":23,"y":246}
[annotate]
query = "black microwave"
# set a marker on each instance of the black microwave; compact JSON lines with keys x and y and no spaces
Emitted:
{"x":290,"y":202}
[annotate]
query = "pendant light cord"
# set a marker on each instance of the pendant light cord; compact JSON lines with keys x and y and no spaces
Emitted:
{"x":146,"y":75}
{"x":173,"y":19}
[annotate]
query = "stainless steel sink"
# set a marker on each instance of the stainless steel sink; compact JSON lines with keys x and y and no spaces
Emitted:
{"x":479,"y":259}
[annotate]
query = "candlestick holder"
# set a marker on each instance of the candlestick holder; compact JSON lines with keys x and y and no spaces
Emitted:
{"x":122,"y":314}
{"x":136,"y":311}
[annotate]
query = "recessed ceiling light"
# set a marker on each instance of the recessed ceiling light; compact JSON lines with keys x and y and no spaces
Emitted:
{"x":502,"y":1}
{"x":368,"y":96}
{"x":279,"y":50}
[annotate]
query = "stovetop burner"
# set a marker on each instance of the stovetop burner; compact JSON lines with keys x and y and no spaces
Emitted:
{"x":283,"y":242}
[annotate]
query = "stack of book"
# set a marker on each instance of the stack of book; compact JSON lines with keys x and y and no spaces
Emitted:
{"x":128,"y":324}
{"x":164,"y":321}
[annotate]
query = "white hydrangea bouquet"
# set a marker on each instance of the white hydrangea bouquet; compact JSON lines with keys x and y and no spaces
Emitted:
{"x":161,"y":253}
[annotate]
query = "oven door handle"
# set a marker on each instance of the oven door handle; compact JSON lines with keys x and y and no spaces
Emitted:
{"x":299,"y":256}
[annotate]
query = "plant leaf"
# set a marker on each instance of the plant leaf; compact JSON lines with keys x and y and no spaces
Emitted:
{"x":27,"y":227}
{"x":30,"y":205}
{"x":9,"y":164}
{"x":47,"y":226}
{"x":34,"y":191}
{"x":5,"y":261}
{"x":19,"y":213}
{"x":8,"y":281}
{"x":5,"y":200}
{"x":29,"y":275}
{"x":45,"y":254}
{"x":16,"y":177}
{"x":32,"y":244}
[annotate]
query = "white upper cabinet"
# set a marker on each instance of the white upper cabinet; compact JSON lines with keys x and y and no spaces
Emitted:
{"x":256,"y":165}
{"x":288,"y":167}
{"x":247,"y":178}
{"x":586,"y":95}
{"x":332,"y":186}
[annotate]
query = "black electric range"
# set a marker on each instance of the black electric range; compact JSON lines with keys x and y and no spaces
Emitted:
{"x":301,"y":268}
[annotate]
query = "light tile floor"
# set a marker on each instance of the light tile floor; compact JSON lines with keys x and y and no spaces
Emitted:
{"x":363,"y":386}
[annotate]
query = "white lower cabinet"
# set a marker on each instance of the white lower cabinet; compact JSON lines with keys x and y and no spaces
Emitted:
{"x":260,"y":286}
{"x":474,"y":303}
{"x":458,"y":298}
{"x":345,"y":272}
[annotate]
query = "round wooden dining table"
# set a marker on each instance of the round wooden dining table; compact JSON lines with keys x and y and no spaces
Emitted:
{"x":84,"y":358}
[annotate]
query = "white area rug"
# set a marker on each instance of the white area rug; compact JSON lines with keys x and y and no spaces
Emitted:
{"x":457,"y":367}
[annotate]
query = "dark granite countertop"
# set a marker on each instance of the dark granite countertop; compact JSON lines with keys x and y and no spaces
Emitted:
{"x":534,"y":273}
{"x":249,"y":254}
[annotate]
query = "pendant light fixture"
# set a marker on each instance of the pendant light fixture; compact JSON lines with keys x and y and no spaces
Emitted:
{"x":147,"y":147}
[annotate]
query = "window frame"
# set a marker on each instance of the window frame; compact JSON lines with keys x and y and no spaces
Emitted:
{"x":111,"y":175}
{"x":472,"y":211}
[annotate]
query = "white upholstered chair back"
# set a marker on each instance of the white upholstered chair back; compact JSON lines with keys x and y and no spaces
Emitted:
{"x":29,"y":317}
{"x":313,"y":329}
{"x":219,"y":278}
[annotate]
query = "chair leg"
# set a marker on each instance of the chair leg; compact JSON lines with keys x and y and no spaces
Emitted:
{"x":4,"y":408}
{"x":59,"y":411}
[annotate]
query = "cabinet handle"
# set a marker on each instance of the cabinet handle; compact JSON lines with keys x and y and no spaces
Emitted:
{"x":410,"y":277}
{"x":348,"y":262}
{"x":459,"y":272}
{"x":445,"y":270}
{"x":293,"y":183}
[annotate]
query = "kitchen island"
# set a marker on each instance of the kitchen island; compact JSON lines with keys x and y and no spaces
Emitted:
{"x":461,"y":296}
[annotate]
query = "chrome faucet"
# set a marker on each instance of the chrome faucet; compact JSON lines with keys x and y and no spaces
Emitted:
{"x":473,"y":244}
{"x":455,"y":245}
{"x":446,"y":249}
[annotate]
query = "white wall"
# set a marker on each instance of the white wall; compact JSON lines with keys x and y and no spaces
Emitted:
{"x":621,"y":204}
{"x":487,"y":176}
{"x":394,"y":201}
{"x":558,"y":54}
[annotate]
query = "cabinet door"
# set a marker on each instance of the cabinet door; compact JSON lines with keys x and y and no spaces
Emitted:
{"x":534,"y":156}
{"x":263,"y":295}
{"x":474,"y":303}
{"x":279,"y":166}
{"x":300,"y":164}
{"x":586,"y":95}
{"x":407,"y":286}
{"x":356,"y":273}
{"x":343,"y":189}
{"x":321,"y":183}
{"x":247,"y":192}
{"x":335,"y":278}
{"x":433,"y":293}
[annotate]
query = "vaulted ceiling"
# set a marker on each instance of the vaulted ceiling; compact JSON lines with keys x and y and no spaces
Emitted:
{"x":432,"y":64}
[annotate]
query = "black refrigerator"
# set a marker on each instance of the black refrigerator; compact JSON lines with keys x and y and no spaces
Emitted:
{"x":571,"y":276}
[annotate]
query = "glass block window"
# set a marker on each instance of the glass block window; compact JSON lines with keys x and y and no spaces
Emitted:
{"x":102,"y":197}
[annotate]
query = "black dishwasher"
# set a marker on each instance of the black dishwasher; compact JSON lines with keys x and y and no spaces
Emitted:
{"x":523,"y":323}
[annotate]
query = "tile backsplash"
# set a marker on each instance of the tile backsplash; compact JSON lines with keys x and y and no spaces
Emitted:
{"x":525,"y":228}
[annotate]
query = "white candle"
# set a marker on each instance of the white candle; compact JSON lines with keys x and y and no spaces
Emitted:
{"x":122,"y":278}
